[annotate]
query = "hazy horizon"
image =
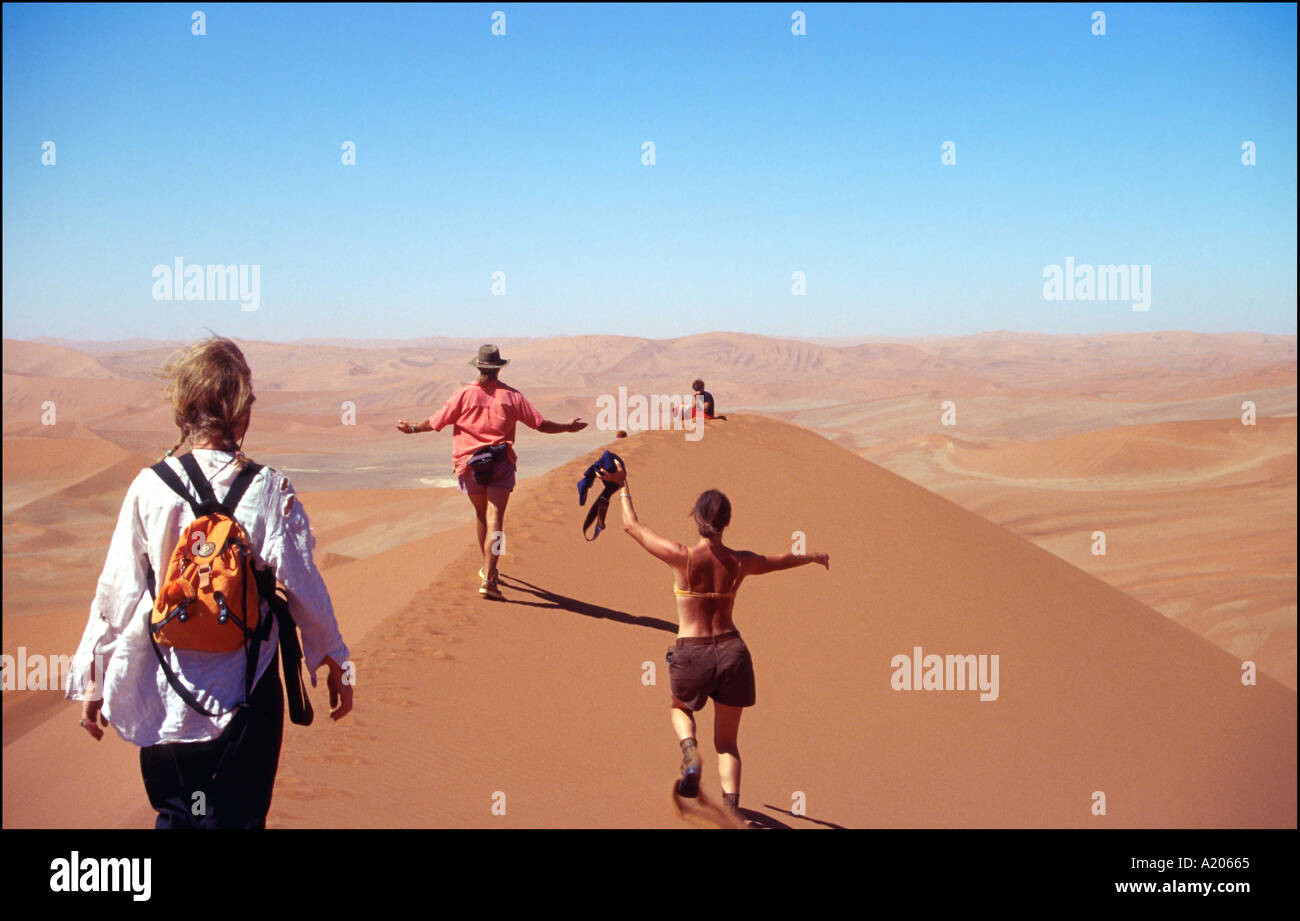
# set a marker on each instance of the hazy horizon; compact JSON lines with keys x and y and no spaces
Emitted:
{"x":827,"y":341}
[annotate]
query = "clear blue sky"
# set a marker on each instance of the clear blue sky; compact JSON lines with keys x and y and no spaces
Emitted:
{"x":522,"y":153}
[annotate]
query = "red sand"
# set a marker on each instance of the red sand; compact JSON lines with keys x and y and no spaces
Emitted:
{"x":541,"y":698}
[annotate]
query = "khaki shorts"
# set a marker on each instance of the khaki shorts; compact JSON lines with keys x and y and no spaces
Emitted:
{"x":720,"y":668}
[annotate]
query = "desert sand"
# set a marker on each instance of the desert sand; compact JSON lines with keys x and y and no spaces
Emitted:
{"x":1119,"y":674}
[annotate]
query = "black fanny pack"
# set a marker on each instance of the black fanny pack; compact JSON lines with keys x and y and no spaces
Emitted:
{"x":483,"y":462}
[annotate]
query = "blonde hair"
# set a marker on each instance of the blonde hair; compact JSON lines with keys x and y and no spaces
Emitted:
{"x":210,"y":389}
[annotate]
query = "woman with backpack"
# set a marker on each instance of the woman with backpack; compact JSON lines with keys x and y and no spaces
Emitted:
{"x":180,"y":652}
{"x":484,"y":414}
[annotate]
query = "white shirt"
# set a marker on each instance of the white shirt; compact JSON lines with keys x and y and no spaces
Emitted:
{"x":138,"y":701}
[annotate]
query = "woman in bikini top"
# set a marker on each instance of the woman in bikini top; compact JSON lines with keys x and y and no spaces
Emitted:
{"x":704,"y":609}
{"x":713,"y":611}
{"x":687,"y":593}
{"x":709,"y":660}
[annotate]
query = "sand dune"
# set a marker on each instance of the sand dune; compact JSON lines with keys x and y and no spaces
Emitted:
{"x":1199,"y":516}
{"x":1097,"y":692}
{"x":74,"y":400}
{"x":36,"y":467}
{"x":28,"y":359}
{"x":541,"y":698}
{"x":1137,"y":454}
{"x":1055,"y":435}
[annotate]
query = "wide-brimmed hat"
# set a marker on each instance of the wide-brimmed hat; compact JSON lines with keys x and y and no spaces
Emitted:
{"x":489,"y":356}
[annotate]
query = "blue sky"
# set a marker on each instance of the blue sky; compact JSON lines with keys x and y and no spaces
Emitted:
{"x":522,"y":154}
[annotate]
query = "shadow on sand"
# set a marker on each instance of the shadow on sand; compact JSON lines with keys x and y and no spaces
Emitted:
{"x":758,"y":819}
{"x":564,"y":603}
{"x":804,"y":817}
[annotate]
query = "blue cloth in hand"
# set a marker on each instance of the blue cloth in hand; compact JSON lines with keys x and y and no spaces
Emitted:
{"x":606,"y":462}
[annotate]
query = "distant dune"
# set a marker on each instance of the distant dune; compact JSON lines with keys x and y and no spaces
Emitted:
{"x":1167,"y":453}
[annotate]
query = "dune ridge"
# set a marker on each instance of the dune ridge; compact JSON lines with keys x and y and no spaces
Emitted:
{"x":1098,"y":692}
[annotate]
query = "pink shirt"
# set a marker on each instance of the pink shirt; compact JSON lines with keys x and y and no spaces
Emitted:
{"x":483,"y":414}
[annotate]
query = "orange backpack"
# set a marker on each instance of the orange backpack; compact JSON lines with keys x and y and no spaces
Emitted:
{"x":210,"y":599}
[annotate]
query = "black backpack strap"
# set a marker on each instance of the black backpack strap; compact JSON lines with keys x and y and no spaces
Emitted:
{"x":206,"y":496}
{"x":179,"y":688}
{"x":168,"y":476}
{"x":295,"y":687}
{"x":252,"y":641}
{"x":252,"y":647}
{"x":239,"y":487}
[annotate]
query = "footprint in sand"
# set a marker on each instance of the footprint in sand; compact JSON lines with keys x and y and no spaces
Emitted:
{"x":414,"y":651}
{"x":299,"y":789}
{"x":337,"y":754}
{"x":361,"y":737}
{"x":425,"y":653}
{"x":396,"y":700}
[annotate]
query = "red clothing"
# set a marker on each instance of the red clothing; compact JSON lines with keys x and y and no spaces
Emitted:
{"x":483,"y":414}
{"x":701,"y":405}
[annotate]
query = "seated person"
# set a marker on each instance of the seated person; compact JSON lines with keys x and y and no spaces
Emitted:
{"x":703,"y":402}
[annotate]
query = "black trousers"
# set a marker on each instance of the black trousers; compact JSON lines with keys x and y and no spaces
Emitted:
{"x":225,"y":782}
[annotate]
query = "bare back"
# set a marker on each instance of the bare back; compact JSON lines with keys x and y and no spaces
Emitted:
{"x":705,"y":584}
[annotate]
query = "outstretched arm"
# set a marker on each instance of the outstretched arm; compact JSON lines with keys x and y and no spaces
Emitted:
{"x":554,"y":428}
{"x":449,"y":414}
{"x":667,"y":550}
{"x":758,"y":563}
{"x":409,"y":428}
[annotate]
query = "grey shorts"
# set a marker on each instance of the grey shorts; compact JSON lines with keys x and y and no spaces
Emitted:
{"x":719,"y":668}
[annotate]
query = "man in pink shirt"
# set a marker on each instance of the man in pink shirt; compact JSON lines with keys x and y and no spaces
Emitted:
{"x":484,"y":414}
